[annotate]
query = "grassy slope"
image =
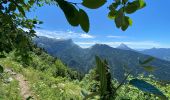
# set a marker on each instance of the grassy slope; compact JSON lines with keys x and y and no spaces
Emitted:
{"x":9,"y":88}
{"x":44,"y":85}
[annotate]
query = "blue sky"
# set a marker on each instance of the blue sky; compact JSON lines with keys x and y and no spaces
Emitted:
{"x":151,"y":26}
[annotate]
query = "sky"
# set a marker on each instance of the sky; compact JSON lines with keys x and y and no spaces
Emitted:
{"x":151,"y":26}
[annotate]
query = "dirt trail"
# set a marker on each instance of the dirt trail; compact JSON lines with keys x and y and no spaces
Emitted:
{"x":23,"y":84}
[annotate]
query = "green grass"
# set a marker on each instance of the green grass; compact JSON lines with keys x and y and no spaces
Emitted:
{"x":47,"y":87}
{"x":9,"y":90}
{"x":44,"y":85}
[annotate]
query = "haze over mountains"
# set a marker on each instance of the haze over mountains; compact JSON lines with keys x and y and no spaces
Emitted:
{"x":83,"y":59}
{"x":161,"y":53}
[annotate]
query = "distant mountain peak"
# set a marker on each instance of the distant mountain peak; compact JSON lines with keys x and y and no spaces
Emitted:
{"x":100,"y":46}
{"x":70,"y":41}
{"x":97,"y":44}
{"x":124,"y":47}
{"x":154,"y":48}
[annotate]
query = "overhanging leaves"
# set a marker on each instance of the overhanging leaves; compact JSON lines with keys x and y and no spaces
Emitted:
{"x":142,"y":3}
{"x":112,"y":14}
{"x":71,"y":13}
{"x":84,"y":20}
{"x":131,"y":7}
{"x":130,"y":22}
{"x":21,"y":10}
{"x":119,"y":9}
{"x":122,"y":21}
{"x":93,"y":4}
{"x":113,"y":6}
{"x":134,"y":6}
{"x":125,"y":23}
{"x":119,"y":18}
{"x":124,"y":1}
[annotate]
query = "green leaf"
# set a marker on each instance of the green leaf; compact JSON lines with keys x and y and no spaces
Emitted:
{"x":131,"y":7}
{"x":34,"y":22}
{"x":149,"y":68}
{"x":12,"y":7}
{"x":117,"y":1}
{"x":32,"y":31}
{"x":21,"y":10}
{"x":91,"y":95}
{"x":71,"y":13}
{"x":31,"y":2}
{"x":124,"y":1}
{"x":119,"y":18}
{"x":125,"y":23}
{"x":102,"y":75}
{"x":113,"y":6}
{"x":84,"y":93}
{"x":142,"y":4}
{"x":112,"y":14}
{"x":84,"y":20}
{"x":147,"y":87}
{"x":93,"y":4}
{"x":130,"y":21}
{"x":148,"y":60}
{"x":1,"y":69}
{"x":134,"y":6}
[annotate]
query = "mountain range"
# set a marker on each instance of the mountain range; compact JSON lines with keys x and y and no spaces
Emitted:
{"x":83,"y":59}
{"x":162,"y":53}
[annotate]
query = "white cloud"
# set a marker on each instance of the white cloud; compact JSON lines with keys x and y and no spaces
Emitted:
{"x":93,"y":40}
{"x":62,"y":34}
{"x":132,"y":44}
{"x":86,"y":43}
{"x":116,"y":37}
{"x":86,"y":36}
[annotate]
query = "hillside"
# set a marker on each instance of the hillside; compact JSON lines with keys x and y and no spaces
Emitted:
{"x":83,"y":59}
{"x":44,"y":78}
{"x":49,"y":84}
{"x":63,"y":49}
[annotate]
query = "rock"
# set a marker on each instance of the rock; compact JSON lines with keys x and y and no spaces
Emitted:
{"x":8,"y":80}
